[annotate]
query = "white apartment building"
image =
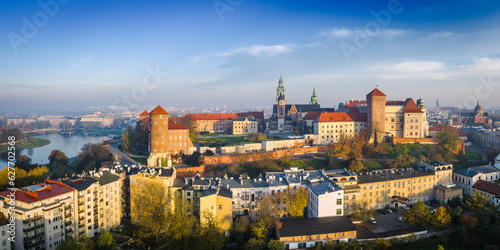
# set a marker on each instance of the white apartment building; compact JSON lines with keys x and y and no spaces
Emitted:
{"x":325,"y":199}
{"x":466,"y":178}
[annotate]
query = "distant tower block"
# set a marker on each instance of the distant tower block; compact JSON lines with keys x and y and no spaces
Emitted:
{"x":158,"y":138}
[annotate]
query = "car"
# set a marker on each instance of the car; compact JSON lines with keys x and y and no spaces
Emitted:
{"x":389,"y":210}
{"x":382,"y":211}
{"x":400,"y":218}
{"x":373,"y":221}
{"x":405,"y":207}
{"x":394,"y":209}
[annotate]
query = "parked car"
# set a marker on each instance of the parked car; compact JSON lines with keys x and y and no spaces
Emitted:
{"x":394,"y":209}
{"x":400,"y":218}
{"x":373,"y":221}
{"x":382,"y":211}
{"x":389,"y":210}
{"x":405,"y":207}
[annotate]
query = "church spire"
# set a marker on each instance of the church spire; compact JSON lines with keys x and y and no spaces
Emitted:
{"x":280,"y":91}
{"x":314,"y":98}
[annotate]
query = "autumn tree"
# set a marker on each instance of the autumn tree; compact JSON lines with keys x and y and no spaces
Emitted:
{"x":189,"y":121}
{"x":448,"y":138}
{"x":105,"y":241}
{"x":298,"y":202}
{"x":403,"y":160}
{"x":125,"y":140}
{"x":209,"y":235}
{"x":492,"y":154}
{"x":356,"y":166}
{"x":479,"y":207}
{"x":275,"y":245}
{"x":362,"y":212}
{"x":65,"y":124}
{"x":91,"y":157}
{"x":418,"y":215}
{"x":80,"y":243}
{"x":441,"y":218}
{"x":149,"y":203}
{"x":240,"y":225}
{"x":180,"y":220}
{"x":269,"y":211}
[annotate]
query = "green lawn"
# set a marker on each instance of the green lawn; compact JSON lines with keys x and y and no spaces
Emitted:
{"x":35,"y":142}
{"x":309,"y":164}
{"x":140,"y":160}
{"x":374,"y":165}
{"x":472,"y":156}
{"x":222,"y":141}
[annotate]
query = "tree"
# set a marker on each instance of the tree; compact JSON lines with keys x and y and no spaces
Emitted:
{"x":181,"y":220}
{"x":275,"y":245}
{"x":256,"y":137}
{"x":492,"y":154}
{"x":418,"y":215}
{"x":240,"y":225}
{"x":448,"y":138}
{"x":189,"y":121}
{"x":92,"y":156}
{"x":441,"y":218}
{"x":362,"y":212}
{"x":24,"y":162}
{"x":403,"y":160}
{"x":105,"y":241}
{"x":298,"y":202}
{"x":356,"y":166}
{"x":65,"y":124}
{"x":57,"y":156}
{"x":269,"y":211}
{"x":125,"y":140}
{"x":210,"y":236}
{"x":149,"y":203}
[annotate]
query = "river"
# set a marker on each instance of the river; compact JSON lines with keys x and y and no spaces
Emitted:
{"x":70,"y":145}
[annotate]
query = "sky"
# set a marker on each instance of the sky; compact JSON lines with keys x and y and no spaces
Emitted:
{"x":63,"y":55}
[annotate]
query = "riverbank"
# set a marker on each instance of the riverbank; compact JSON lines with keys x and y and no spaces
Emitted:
{"x":33,"y":143}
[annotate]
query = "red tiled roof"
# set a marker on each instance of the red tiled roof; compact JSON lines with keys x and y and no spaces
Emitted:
{"x":158,"y":111}
{"x":312,"y":115}
{"x":333,"y":117}
{"x":175,"y":125}
{"x":411,"y":107}
{"x":376,"y":92}
{"x":144,"y":113}
{"x":54,"y":188}
{"x":456,"y":123}
{"x":356,"y":115}
{"x":489,"y":187}
{"x":255,"y":114}
{"x":215,"y":116}
{"x":433,"y":129}
{"x":354,"y":103}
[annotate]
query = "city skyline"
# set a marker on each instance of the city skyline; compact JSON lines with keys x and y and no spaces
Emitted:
{"x":60,"y":55}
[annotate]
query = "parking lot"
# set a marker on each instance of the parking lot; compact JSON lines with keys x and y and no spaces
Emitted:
{"x":386,"y":222}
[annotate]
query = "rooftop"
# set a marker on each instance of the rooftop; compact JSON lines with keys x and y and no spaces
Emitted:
{"x":325,"y":225}
{"x":489,"y":187}
{"x":473,"y":171}
{"x":376,"y":92}
{"x":390,"y":175}
{"x":40,"y":191}
{"x":107,"y":177}
{"x":158,"y":111}
{"x":81,"y":183}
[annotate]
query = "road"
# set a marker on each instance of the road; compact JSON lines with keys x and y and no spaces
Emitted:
{"x":125,"y":159}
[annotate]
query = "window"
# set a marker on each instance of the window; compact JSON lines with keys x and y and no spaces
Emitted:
{"x":339,"y":211}
{"x":339,"y":201}
{"x":220,"y":207}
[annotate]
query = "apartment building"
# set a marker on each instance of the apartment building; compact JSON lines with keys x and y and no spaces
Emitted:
{"x":44,"y":214}
{"x":490,"y":190}
{"x":218,"y":202}
{"x":325,"y":199}
{"x":466,"y":178}
{"x":86,"y":204}
{"x":5,"y":243}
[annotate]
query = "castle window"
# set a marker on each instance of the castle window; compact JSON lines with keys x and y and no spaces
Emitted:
{"x":160,"y":129}
{"x":162,"y":135}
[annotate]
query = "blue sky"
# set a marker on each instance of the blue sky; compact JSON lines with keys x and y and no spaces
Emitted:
{"x":101,"y":53}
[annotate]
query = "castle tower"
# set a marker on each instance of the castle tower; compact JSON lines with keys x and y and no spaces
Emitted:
{"x":437,"y":104}
{"x":158,"y":137}
{"x":281,"y":102}
{"x":314,"y":98}
{"x":376,"y":112}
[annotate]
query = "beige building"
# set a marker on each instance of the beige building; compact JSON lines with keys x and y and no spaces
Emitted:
{"x":391,"y":187}
{"x":218,"y":202}
{"x":329,"y":127}
{"x":44,"y":214}
{"x":245,"y":126}
{"x":401,"y":119}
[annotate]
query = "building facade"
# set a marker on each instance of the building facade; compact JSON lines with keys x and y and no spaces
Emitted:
{"x":245,"y":126}
{"x":466,"y":178}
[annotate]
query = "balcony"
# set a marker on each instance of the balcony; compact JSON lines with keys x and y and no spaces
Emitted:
{"x":32,"y":219}
{"x":81,"y":218}
{"x":68,"y":230}
{"x":81,"y":203}
{"x":35,"y":244}
{"x":68,"y":223}
{"x":67,"y":215}
{"x":29,"y":229}
{"x":81,"y":225}
{"x":32,"y":237}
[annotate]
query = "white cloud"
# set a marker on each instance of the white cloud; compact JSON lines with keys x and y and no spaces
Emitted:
{"x":261,"y":50}
{"x":410,"y":67}
{"x":334,"y":32}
